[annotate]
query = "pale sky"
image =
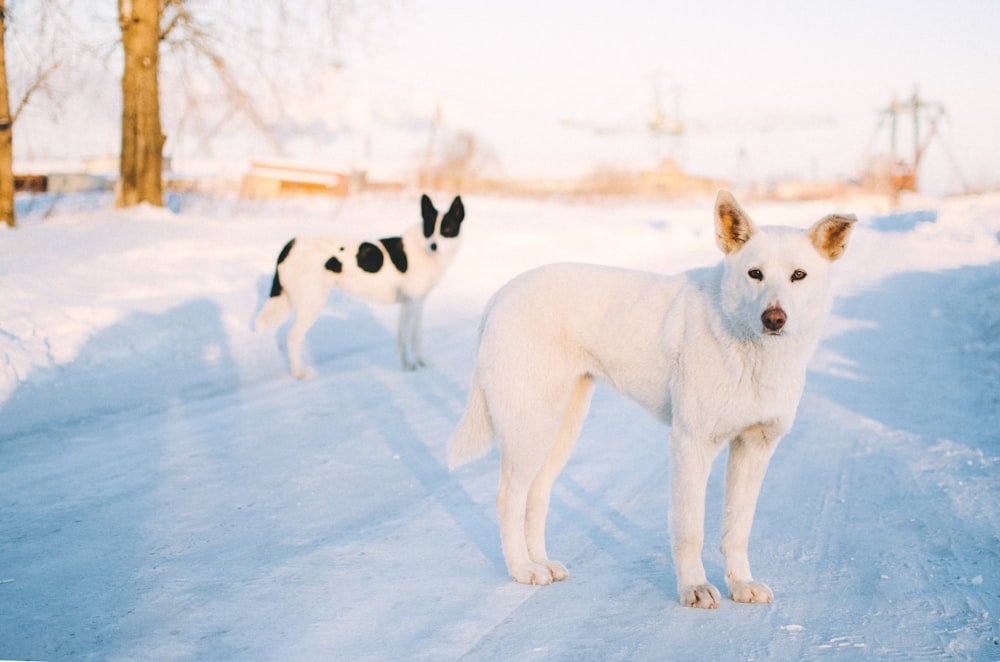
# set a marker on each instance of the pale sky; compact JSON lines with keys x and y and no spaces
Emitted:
{"x":766,"y":90}
{"x":744,"y":70}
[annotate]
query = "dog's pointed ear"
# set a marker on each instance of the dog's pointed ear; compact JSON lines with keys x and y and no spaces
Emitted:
{"x":451,"y":222}
{"x":733,"y":227}
{"x":829,"y":234}
{"x":456,"y":213}
{"x":429,"y":213}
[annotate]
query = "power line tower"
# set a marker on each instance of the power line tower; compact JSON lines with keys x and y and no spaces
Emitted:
{"x":900,"y":172}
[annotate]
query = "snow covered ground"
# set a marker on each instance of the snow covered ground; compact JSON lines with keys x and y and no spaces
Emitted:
{"x":167,"y":491}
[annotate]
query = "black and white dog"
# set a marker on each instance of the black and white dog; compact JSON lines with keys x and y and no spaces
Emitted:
{"x":394,"y":269}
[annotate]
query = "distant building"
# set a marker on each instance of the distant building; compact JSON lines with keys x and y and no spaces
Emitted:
{"x":276,"y":179}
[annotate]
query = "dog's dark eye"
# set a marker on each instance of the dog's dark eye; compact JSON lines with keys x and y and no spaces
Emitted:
{"x":756,"y":274}
{"x":798,"y":274}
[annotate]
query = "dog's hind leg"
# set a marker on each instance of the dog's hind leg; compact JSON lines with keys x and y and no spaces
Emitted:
{"x":749,"y":455}
{"x":307,"y":305}
{"x":541,"y":487}
{"x":525,"y":441}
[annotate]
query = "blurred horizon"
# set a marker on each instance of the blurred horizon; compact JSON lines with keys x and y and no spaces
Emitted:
{"x":753,"y":95}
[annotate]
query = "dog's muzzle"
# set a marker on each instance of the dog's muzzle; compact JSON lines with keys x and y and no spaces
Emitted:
{"x":773,"y":320}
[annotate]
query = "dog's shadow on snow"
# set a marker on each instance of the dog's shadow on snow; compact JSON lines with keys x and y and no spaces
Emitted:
{"x":414,"y":414}
{"x":353,"y":342}
{"x":148,"y":438}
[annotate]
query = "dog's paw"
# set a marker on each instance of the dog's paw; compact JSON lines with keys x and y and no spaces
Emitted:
{"x":557,"y":570}
{"x":703,"y":596}
{"x":757,"y":593}
{"x":539,"y":574}
{"x":303,"y":373}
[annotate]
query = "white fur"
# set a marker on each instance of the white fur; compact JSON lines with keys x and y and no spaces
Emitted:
{"x":691,"y":348}
{"x":306,"y":282}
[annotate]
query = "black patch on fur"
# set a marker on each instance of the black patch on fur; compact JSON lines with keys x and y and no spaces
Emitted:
{"x":285,"y":251}
{"x":452,"y":221}
{"x":370,"y":257}
{"x":429,"y":213}
{"x":394,"y":247}
{"x":276,"y":283}
{"x":334,"y":265}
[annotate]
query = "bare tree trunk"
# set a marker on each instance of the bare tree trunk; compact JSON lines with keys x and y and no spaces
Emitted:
{"x":6,"y":134}
{"x":142,"y":138}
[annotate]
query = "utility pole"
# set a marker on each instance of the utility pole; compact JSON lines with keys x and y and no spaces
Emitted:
{"x":918,"y":111}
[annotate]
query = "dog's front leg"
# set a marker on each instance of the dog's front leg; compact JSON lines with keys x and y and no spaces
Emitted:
{"x":404,"y":334}
{"x":416,"y":335}
{"x":749,"y":455}
{"x":691,"y":462}
{"x":408,"y":339}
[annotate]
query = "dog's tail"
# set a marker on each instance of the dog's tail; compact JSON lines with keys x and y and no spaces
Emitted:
{"x":274,"y":311}
{"x":277,"y":307}
{"x":473,"y":436}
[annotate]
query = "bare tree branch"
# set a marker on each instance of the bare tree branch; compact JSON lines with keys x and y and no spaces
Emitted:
{"x":183,"y":31}
{"x":39,"y":83}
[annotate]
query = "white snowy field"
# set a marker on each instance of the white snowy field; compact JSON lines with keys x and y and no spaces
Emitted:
{"x":168,"y":492}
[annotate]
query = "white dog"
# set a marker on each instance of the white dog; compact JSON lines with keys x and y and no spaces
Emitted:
{"x":720,"y":354}
{"x":393,"y":269}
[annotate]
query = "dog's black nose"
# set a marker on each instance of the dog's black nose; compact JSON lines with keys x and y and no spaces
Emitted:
{"x":773,"y":319}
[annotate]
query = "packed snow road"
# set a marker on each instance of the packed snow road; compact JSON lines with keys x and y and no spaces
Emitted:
{"x":169,"y":492}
